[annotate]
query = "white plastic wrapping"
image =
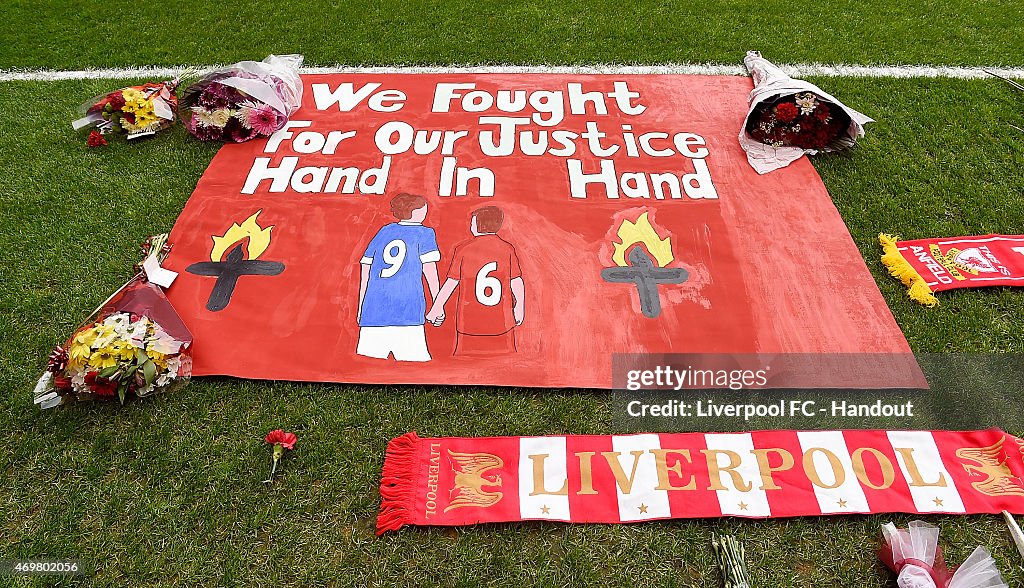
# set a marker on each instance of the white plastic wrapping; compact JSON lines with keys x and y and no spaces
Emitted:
{"x":914,"y":552}
{"x":275,"y":81}
{"x":979,"y":571}
{"x":770,"y":83}
{"x":918,"y":542}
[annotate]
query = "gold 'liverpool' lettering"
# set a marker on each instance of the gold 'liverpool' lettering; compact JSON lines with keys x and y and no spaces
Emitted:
{"x":764,"y":465}
{"x":811,"y":468}
{"x":586,"y":473}
{"x":433,"y":469}
{"x":676,"y":471}
{"x":916,"y":479}
{"x":612,"y":457}
{"x":538,"y":478}
{"x":884,"y":464}
{"x":715,"y":470}
{"x":661,"y":465}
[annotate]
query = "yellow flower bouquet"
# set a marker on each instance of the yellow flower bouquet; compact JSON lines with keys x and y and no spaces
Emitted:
{"x":135,"y":111}
{"x":137,"y":345}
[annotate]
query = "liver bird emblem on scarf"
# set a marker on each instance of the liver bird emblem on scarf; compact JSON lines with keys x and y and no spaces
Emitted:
{"x":990,"y":463}
{"x":470,"y":471}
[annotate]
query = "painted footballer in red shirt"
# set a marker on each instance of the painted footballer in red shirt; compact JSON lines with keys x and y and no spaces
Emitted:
{"x":485,"y":273}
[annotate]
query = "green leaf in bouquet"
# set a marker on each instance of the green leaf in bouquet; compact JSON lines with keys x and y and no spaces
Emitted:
{"x":149,"y":370}
{"x":122,"y":390}
{"x":106,"y":373}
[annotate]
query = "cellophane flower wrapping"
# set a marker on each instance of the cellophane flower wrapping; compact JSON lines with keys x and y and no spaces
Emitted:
{"x":821,"y":110}
{"x":135,"y":111}
{"x":137,"y":345}
{"x":914,"y":554}
{"x":979,"y":571}
{"x":244,"y":101}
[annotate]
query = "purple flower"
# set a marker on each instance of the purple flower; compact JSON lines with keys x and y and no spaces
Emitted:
{"x":238,"y":133}
{"x":203,"y":132}
{"x":215,"y":96}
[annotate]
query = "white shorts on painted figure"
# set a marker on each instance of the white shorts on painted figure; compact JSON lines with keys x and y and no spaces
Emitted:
{"x":406,"y":343}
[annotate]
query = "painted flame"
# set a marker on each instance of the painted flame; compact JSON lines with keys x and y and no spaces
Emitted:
{"x":259,"y":238}
{"x":641,"y":232}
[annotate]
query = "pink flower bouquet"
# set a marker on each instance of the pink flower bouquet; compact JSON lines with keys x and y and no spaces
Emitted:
{"x":241,"y":102}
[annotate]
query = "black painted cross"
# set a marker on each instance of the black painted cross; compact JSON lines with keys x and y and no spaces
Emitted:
{"x":646,"y":275}
{"x":227,"y":271}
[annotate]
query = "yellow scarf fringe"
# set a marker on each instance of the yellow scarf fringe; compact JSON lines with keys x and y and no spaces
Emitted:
{"x":898,"y":267}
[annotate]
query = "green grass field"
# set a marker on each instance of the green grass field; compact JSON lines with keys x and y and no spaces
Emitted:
{"x":167,"y":492}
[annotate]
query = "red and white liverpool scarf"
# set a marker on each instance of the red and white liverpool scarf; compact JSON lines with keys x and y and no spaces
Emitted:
{"x":926,"y":266}
{"x":629,"y":478}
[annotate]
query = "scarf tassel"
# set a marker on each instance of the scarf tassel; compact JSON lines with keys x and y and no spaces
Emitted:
{"x":898,"y":267}
{"x":397,"y":485}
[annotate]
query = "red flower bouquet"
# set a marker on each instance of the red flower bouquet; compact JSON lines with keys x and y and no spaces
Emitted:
{"x":798,"y":120}
{"x":789,"y":118}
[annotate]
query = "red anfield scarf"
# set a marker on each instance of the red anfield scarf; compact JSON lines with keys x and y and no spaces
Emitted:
{"x":629,"y":478}
{"x":927,"y":266}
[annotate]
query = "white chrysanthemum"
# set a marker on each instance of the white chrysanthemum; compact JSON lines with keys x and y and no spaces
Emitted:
{"x":212,"y":118}
{"x":220,"y":117}
{"x":118,"y":320}
{"x":163,"y":343}
{"x":136,"y":332}
{"x":242,"y":114}
{"x":168,"y":376}
{"x":806,"y":102}
{"x":78,"y":382}
{"x":173,"y":365}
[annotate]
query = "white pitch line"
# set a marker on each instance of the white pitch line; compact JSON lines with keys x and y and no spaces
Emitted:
{"x":795,"y":70}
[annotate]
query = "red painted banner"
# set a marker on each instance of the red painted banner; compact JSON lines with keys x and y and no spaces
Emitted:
{"x":632,"y":478}
{"x":513,"y":230}
{"x":927,"y":266}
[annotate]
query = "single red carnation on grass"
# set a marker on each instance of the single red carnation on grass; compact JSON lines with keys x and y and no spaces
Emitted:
{"x":96,"y":139}
{"x":287,"y":440}
{"x":786,"y":111}
{"x":281,"y":441}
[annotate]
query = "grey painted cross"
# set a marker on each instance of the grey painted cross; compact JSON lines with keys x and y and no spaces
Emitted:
{"x":227,"y":273}
{"x":643,"y":272}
